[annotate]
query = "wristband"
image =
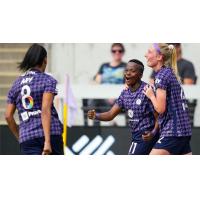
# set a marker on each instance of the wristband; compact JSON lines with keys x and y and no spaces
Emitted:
{"x":97,"y":115}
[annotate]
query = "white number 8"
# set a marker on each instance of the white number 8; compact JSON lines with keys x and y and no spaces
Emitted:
{"x":27,"y":100}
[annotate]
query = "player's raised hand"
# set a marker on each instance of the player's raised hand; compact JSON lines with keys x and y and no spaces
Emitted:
{"x":91,"y":114}
{"x":148,"y":91}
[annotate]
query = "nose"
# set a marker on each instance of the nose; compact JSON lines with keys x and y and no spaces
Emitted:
{"x":127,"y":73}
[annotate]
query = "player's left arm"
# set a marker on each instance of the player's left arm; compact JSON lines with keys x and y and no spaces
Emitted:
{"x":158,"y":100}
{"x":9,"y":117}
{"x":47,"y":102}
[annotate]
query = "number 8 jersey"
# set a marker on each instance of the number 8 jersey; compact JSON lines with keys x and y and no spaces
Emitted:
{"x":26,"y":94}
{"x":175,"y":120}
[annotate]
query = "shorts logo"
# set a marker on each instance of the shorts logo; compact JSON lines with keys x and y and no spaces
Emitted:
{"x":130,"y":113}
{"x":159,"y":141}
{"x":138,"y":102}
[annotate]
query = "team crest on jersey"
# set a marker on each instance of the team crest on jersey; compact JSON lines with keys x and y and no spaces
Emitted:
{"x":130,"y":113}
{"x":138,"y":101}
{"x":157,"y":80}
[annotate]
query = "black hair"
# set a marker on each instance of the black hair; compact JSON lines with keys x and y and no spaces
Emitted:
{"x":34,"y":57}
{"x":139,"y":64}
{"x":118,"y":45}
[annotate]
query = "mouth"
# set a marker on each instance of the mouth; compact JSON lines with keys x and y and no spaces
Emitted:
{"x":128,"y":79}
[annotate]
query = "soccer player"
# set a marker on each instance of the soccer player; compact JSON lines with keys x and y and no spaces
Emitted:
{"x":142,"y":117}
{"x":32,"y":94}
{"x":169,"y":101}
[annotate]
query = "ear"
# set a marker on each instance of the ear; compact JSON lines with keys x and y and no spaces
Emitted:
{"x":140,"y":75}
{"x":159,"y":57}
{"x":45,"y":61}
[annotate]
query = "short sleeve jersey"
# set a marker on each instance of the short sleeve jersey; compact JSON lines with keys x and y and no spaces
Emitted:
{"x":186,"y":69}
{"x":140,"y":111}
{"x":27,"y":93}
{"x":175,"y":121}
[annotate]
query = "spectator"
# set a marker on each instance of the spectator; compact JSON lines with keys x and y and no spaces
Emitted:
{"x":112,"y":72}
{"x":187,"y":75}
{"x":109,"y":73}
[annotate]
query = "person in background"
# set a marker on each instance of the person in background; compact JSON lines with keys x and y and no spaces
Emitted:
{"x":110,"y":73}
{"x":186,"y":72}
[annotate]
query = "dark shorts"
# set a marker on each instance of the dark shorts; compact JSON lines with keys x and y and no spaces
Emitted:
{"x":174,"y":145}
{"x":142,"y":147}
{"x":35,"y":146}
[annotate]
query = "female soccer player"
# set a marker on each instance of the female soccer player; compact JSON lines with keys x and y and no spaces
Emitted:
{"x":140,"y":111}
{"x":169,"y":101}
{"x":40,"y":131}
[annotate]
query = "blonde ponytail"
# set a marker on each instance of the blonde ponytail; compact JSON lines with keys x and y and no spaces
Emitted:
{"x":169,"y":57}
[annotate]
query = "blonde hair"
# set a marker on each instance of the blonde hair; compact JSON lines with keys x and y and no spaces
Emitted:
{"x":169,"y":57}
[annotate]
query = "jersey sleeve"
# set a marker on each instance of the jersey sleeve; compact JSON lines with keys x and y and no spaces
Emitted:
{"x":162,"y":80}
{"x":100,"y":71}
{"x":11,"y":97}
{"x":120,"y":100}
{"x":50,"y":86}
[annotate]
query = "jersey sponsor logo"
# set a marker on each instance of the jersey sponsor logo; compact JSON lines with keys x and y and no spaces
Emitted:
{"x":26,"y":115}
{"x":133,"y":120}
{"x":97,"y":146}
{"x":130,"y":113}
{"x":138,"y":101}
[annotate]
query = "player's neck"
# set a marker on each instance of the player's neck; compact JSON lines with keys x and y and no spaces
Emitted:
{"x":115,"y":63}
{"x":136,"y":86}
{"x":179,"y":56}
{"x":40,"y":69}
{"x":157,"y":67}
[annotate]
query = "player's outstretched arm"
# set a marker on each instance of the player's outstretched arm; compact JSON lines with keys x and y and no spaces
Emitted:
{"x":9,"y":116}
{"x":106,"y":116}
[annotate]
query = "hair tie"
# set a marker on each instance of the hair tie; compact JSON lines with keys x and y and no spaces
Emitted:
{"x":171,"y":46}
{"x":156,"y":47}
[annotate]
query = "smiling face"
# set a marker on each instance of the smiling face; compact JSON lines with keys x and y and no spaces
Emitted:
{"x":153,"y":58}
{"x":132,"y":74}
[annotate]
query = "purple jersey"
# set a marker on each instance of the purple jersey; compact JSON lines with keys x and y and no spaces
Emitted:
{"x":139,"y":110}
{"x":26,"y":93}
{"x":175,"y":121}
